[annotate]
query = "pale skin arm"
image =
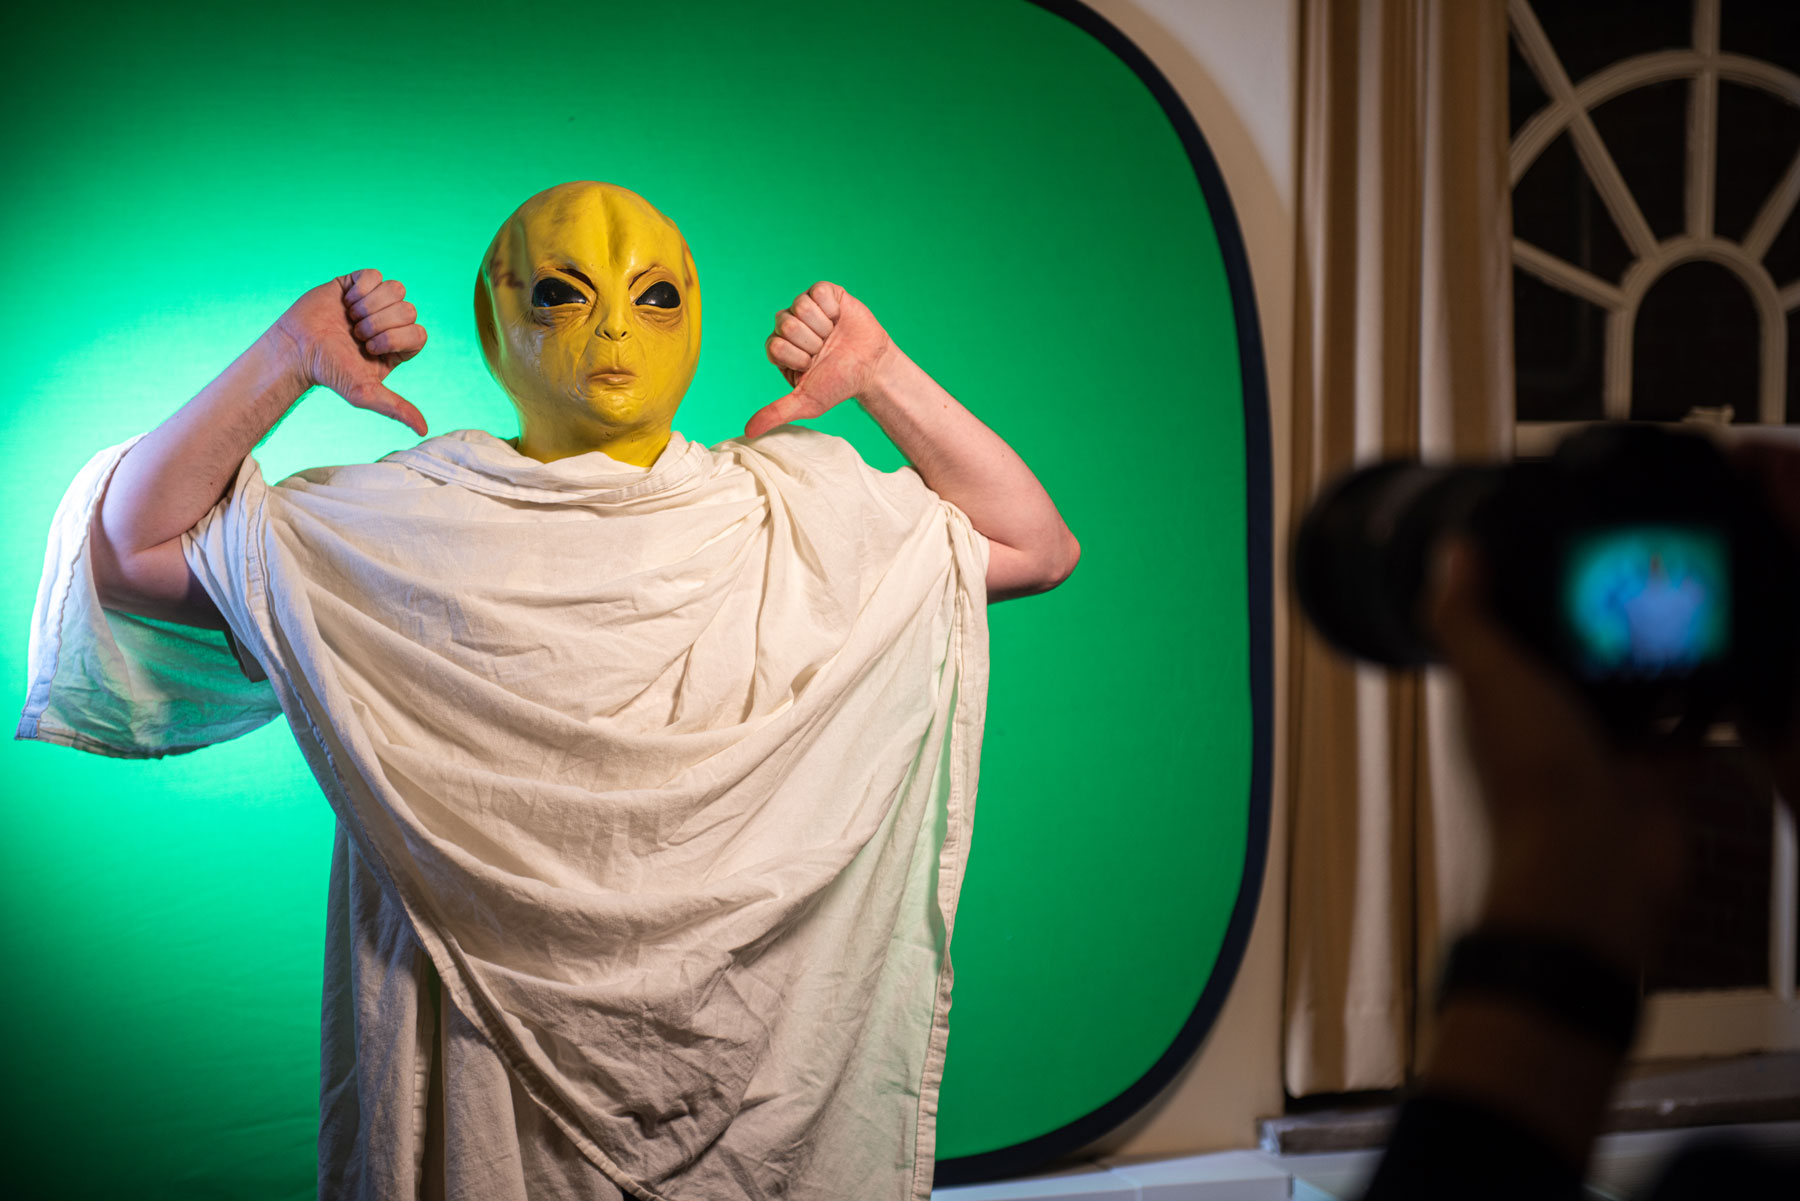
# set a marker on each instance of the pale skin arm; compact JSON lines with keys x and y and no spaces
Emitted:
{"x":1592,"y":845}
{"x":830,"y":348}
{"x":346,"y":334}
{"x":1589,"y":848}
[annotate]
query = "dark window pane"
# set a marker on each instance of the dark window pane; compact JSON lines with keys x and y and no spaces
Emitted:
{"x":1793,"y":367}
{"x":1762,"y":29}
{"x":1591,"y":34}
{"x":1558,"y":342}
{"x":1646,"y":131}
{"x":1695,"y":344}
{"x":1524,"y":94}
{"x":1556,"y":208}
{"x":1720,"y":939}
{"x":1758,"y":137}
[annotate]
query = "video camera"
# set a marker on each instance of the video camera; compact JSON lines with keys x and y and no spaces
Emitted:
{"x":1636,"y":560}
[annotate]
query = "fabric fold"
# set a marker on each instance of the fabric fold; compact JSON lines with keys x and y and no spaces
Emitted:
{"x":117,"y":684}
{"x":667,"y":775}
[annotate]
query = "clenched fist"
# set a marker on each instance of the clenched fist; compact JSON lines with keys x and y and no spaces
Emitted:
{"x":348,"y":334}
{"x":828,"y":347}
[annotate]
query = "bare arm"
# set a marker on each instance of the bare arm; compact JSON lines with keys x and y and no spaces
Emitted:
{"x":1590,"y":850}
{"x":969,"y":465}
{"x":173,"y":477}
{"x":346,"y":334}
{"x":830,"y":348}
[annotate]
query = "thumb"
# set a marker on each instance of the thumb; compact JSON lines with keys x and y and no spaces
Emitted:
{"x":379,"y":399}
{"x":1453,"y":604}
{"x":788,"y":408}
{"x":1458,"y":618}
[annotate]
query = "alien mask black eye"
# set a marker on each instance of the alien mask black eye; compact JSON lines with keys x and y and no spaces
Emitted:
{"x":551,"y":292}
{"x":661,"y":295}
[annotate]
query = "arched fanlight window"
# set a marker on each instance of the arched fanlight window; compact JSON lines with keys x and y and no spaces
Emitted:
{"x":1660,"y":252}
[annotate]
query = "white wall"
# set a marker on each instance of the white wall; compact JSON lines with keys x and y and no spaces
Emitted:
{"x":1235,"y":65}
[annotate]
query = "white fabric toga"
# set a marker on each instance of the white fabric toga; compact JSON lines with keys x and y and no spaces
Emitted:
{"x":654,"y":793}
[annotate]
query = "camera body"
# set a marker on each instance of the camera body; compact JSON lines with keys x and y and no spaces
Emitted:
{"x":1636,"y":560}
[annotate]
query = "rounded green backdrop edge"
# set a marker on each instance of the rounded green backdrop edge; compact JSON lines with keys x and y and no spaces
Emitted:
{"x":1048,"y":255}
{"x":1208,"y":937}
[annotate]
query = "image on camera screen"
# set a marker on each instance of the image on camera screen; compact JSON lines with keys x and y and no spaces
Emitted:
{"x":1648,"y":600}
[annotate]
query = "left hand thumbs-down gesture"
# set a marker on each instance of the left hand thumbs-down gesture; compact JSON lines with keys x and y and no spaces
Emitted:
{"x":829,"y":347}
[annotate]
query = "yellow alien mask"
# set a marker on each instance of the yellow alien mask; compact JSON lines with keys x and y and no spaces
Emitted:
{"x":588,"y":307}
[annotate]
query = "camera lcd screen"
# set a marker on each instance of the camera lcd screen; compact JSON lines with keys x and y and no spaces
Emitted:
{"x":1643,"y":601}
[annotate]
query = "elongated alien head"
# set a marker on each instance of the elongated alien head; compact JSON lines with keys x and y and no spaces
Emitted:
{"x":588,"y":307}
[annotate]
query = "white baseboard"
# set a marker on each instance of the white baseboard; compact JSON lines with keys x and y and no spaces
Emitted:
{"x":1225,"y":1176}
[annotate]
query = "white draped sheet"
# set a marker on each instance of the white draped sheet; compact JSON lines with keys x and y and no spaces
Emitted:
{"x":654,"y":794}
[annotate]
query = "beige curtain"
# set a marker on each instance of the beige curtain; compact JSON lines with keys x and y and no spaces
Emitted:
{"x":1403,"y":346}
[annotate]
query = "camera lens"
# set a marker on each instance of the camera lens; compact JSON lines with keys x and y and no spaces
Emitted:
{"x":1634,"y":560}
{"x":1362,"y":554}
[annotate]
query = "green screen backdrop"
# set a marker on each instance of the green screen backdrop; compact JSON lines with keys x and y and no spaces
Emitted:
{"x":1009,"y":186}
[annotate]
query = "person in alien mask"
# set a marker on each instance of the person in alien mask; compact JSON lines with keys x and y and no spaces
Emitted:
{"x":654,"y":765}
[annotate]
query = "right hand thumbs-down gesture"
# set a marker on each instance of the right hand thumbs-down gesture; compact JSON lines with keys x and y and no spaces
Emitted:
{"x":348,"y":333}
